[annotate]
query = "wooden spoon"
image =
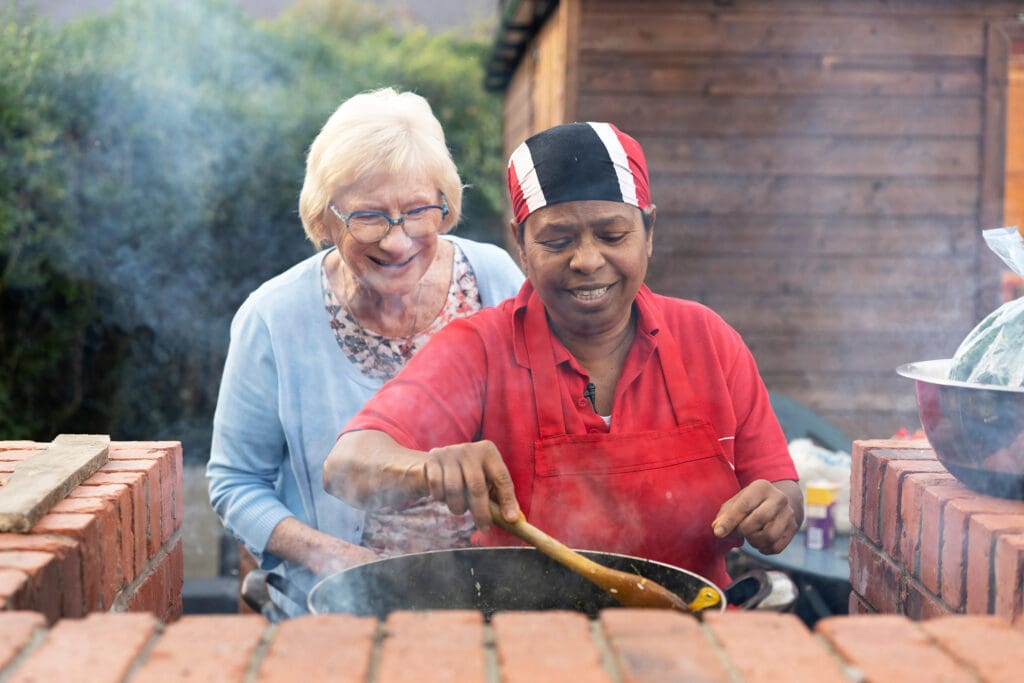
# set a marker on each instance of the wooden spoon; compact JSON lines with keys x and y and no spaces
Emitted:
{"x":631,"y":590}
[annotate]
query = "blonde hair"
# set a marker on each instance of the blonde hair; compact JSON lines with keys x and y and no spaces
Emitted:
{"x":373,"y":132}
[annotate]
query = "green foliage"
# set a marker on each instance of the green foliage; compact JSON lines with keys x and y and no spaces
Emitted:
{"x":150,"y":164}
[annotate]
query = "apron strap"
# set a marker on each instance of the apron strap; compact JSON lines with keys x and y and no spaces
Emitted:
{"x":546,"y":389}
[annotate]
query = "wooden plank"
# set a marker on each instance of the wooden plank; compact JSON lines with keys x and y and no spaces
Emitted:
{"x":950,"y":321}
{"x":43,"y":479}
{"x":829,"y":391}
{"x":787,"y":115}
{"x":824,"y":278}
{"x":759,"y":74}
{"x":810,"y":195}
{"x":791,"y":350}
{"x":853,"y":236}
{"x":821,"y":156}
{"x":872,"y":8}
{"x":673,"y":30}
{"x":1001,"y":35}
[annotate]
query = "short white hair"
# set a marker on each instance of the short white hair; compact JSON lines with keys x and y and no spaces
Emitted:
{"x":377,"y":131}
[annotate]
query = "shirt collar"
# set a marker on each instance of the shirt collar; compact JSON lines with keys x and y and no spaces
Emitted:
{"x":649,"y":323}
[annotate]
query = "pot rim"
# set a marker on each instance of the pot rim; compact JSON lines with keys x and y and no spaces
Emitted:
{"x":936,"y":372}
{"x":596,"y":555}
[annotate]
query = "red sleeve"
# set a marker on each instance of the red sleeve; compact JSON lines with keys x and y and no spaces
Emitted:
{"x":761,"y":451}
{"x":437,"y":398}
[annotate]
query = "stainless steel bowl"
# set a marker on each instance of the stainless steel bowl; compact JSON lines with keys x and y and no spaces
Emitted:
{"x":976,"y":430}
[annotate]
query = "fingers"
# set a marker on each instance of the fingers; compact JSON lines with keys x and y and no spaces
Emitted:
{"x":467,"y":476}
{"x":760,"y":513}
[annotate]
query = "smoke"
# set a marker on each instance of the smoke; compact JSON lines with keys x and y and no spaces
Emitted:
{"x":180,"y":167}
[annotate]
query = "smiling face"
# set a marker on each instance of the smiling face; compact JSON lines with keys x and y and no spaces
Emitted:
{"x":586,"y":260}
{"x":394,"y":265}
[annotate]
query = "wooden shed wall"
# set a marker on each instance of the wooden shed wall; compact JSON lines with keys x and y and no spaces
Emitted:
{"x":818,"y":170}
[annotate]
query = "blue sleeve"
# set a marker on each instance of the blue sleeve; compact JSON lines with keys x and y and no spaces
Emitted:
{"x":248,"y":446}
{"x":497,"y":275}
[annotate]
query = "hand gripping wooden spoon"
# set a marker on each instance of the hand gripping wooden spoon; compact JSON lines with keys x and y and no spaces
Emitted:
{"x":631,"y":590}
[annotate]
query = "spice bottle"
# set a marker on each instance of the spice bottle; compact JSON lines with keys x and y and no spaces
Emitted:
{"x":820,"y":504}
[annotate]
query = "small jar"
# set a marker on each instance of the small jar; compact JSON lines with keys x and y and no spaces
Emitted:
{"x":819,"y":529}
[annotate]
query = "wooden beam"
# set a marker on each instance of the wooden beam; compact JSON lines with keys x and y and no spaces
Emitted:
{"x":41,"y":480}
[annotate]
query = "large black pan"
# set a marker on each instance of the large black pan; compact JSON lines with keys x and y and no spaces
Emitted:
{"x":488,"y":580}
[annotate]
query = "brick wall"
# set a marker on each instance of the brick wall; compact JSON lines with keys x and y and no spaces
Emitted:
{"x":622,"y":645}
{"x":113,"y":544}
{"x":923,"y":544}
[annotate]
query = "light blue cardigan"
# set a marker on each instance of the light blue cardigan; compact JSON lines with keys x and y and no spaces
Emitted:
{"x":286,"y":392}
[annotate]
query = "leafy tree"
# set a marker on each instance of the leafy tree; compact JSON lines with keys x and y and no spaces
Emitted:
{"x":152,"y":158}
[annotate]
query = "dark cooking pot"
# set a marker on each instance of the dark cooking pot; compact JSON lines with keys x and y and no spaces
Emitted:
{"x":484,"y":579}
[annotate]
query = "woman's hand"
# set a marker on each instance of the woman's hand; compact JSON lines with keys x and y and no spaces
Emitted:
{"x":767,"y":514}
{"x":369,"y":470}
{"x":467,"y":476}
{"x":321,"y":553}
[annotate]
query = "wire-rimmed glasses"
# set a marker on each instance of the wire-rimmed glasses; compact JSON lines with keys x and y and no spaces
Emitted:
{"x":369,"y":227}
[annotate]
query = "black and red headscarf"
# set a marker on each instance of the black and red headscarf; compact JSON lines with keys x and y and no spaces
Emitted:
{"x":574,"y":162}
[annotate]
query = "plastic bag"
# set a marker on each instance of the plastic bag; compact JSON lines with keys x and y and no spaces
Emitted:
{"x":993,"y":353}
{"x":814,"y":463}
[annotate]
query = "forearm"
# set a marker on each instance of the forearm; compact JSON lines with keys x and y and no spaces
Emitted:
{"x":368,"y":470}
{"x":321,"y":553}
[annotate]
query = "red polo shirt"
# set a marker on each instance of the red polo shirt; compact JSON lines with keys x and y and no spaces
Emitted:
{"x":472,"y":381}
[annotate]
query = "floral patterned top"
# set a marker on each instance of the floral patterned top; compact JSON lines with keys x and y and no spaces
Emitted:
{"x":423,"y":524}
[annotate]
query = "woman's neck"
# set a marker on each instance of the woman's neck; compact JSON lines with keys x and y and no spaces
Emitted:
{"x":392,"y":315}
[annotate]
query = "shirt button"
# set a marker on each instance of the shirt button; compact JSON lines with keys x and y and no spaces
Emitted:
{"x":582,"y":403}
{"x":592,"y":430}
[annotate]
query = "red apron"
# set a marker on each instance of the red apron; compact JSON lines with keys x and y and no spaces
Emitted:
{"x":652,"y":494}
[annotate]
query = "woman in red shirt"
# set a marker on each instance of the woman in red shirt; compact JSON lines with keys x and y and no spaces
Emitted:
{"x":614,"y":418}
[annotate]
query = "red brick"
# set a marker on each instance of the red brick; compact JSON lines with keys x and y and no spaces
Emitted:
{"x":857,"y":485}
{"x":14,"y":589}
{"x":911,"y":503}
{"x":43,"y":570}
{"x":532,"y":646}
{"x":433,"y":646}
{"x":918,"y":603}
{"x":1009,"y":576}
{"x":659,"y":645}
{"x":84,"y":529}
{"x":175,"y":580}
{"x":67,"y":553}
{"x":120,"y":496}
{"x":108,"y":524}
{"x":933,"y":503}
{"x":166,"y":500}
{"x":150,"y":469}
{"x":768,"y":647}
{"x":150,"y":593}
{"x":873,"y":576}
{"x":332,"y":647}
{"x":18,"y":454}
{"x":953,"y":563}
{"x":989,"y":645}
{"x":890,"y":648}
{"x":136,"y":482}
{"x":890,"y":511}
{"x":16,"y":629}
{"x":72,"y":650}
{"x":858,"y":606}
{"x":982,"y":532}
{"x":203,"y":648}
{"x":34,"y":446}
{"x":874,"y":467}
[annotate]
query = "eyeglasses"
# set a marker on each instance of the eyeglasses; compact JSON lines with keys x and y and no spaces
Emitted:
{"x":369,"y":227}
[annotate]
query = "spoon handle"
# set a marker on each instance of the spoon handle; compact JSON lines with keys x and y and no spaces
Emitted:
{"x":551,"y":547}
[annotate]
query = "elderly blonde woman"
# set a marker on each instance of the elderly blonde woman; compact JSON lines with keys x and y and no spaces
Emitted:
{"x":310,"y":346}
